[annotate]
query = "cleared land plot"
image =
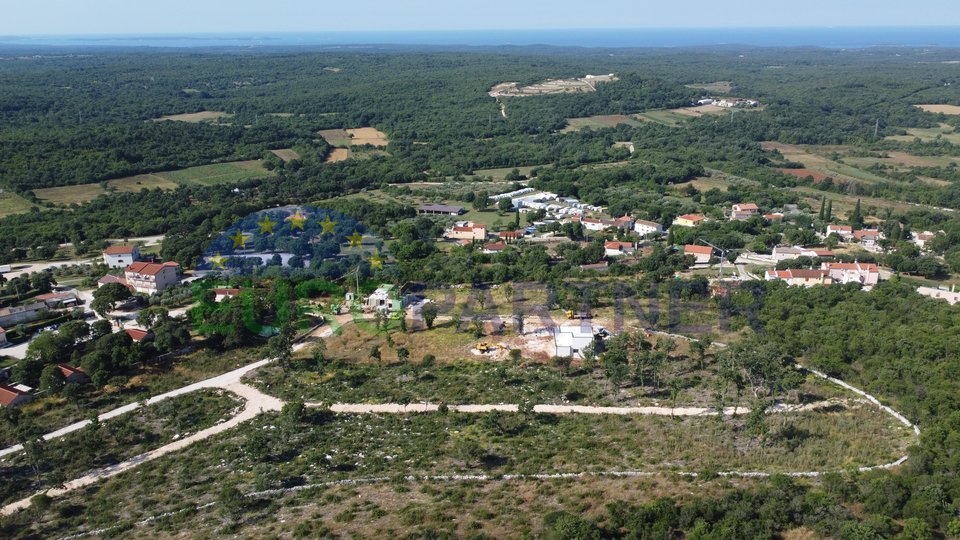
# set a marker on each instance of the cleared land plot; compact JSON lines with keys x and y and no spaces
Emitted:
{"x":204,"y":175}
{"x":553,"y":86}
{"x":335,"y":137}
{"x":367,"y":135}
{"x":805,"y":173}
{"x":700,"y":110}
{"x":945,"y":109}
{"x":599,"y":122}
{"x":66,"y":195}
{"x":143,"y":181}
{"x":11,"y":203}
{"x":286,"y":154}
{"x":944,"y":132}
{"x":666,"y":117}
{"x":721,"y":87}
{"x":815,"y":162}
{"x":338,"y":154}
{"x":202,"y":116}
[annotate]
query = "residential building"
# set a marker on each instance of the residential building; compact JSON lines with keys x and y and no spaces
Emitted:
{"x":689,"y":220}
{"x":441,"y":209}
{"x":219,"y":295}
{"x":950,"y":295}
{"x":383,"y":299}
{"x":152,"y":278}
{"x":743,"y":211}
{"x":510,"y":236}
{"x":844,"y":231}
{"x":702,"y":254}
{"x":59,"y":299}
{"x":110,"y":278}
{"x":867,"y":274}
{"x":11,"y":396}
{"x":787,"y":253}
{"x":800,"y":277}
{"x":773,"y":217}
{"x":467,"y":230}
{"x":494,"y":247}
{"x":643,"y":227}
{"x":867,"y":237}
{"x":594,"y":224}
{"x":921,"y":239}
{"x":73,"y":374}
{"x":616,"y":249}
{"x":14,"y":315}
{"x":624,"y":222}
{"x":571,"y":340}
{"x":121,"y":256}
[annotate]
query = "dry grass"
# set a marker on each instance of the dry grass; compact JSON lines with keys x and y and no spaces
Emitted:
{"x":66,"y":195}
{"x":700,"y":110}
{"x":11,"y":203}
{"x":335,"y":137}
{"x":367,"y":135}
{"x":202,"y":116}
{"x":945,"y":109}
{"x":338,"y":154}
{"x":598,"y":122}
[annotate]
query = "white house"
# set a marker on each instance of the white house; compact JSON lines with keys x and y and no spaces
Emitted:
{"x":494,"y":247}
{"x":571,"y":340}
{"x":844,"y":231}
{"x":643,"y":227}
{"x":121,"y":256}
{"x":800,"y":277}
{"x":383,"y":299}
{"x":594,"y":224}
{"x":867,"y":237}
{"x":616,"y":249}
{"x":219,"y":295}
{"x":921,"y":239}
{"x":152,"y":278}
{"x":863,"y":273}
{"x":950,"y":296}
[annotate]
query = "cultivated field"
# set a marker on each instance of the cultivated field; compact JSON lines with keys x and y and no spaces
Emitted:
{"x":719,"y":87}
{"x":202,"y":116}
{"x":286,"y":154}
{"x":338,"y":154}
{"x":11,"y":203}
{"x":945,"y":109}
{"x":204,"y":175}
{"x":700,"y":110}
{"x":346,"y":138}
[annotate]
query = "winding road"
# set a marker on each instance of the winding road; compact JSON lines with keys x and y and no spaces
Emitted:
{"x":256,"y":403}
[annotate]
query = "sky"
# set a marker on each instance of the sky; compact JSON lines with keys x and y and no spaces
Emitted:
{"x":77,"y":17}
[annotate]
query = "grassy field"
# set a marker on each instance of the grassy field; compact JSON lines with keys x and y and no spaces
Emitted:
{"x":367,"y":135}
{"x":720,"y":87}
{"x":11,"y":203}
{"x":204,"y":175}
{"x":945,"y":132}
{"x":665,"y":117}
{"x":598,"y":122}
{"x":202,"y":116}
{"x":945,"y":109}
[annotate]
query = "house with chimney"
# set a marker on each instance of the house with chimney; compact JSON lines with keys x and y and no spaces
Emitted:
{"x":689,"y":220}
{"x":616,"y":249}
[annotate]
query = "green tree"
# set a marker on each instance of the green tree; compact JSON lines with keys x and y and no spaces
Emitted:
{"x":504,"y":204}
{"x":51,"y":379}
{"x":828,"y":213}
{"x":106,"y":298}
{"x":481,"y":200}
{"x":856,"y":217}
{"x":429,"y":312}
{"x":375,"y":353}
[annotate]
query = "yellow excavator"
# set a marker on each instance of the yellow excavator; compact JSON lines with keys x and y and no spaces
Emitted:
{"x":570,"y":314}
{"x":484,"y":347}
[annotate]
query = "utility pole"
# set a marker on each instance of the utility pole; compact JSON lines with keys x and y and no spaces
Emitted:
{"x":723,"y":253}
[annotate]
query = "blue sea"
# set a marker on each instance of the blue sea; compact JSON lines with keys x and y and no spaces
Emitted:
{"x":835,"y":37}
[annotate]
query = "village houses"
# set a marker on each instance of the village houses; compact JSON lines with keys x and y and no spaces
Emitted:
{"x":702,"y":254}
{"x":467,"y":230}
{"x":742,"y":211}
{"x":643,"y":227}
{"x":689,"y":220}
{"x":121,"y":256}
{"x":800,"y":277}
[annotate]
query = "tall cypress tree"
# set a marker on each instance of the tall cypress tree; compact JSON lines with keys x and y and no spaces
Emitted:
{"x":823,"y":203}
{"x":856,"y":218}
{"x":828,"y":215}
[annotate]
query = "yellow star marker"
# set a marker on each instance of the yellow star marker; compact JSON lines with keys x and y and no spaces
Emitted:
{"x":355,"y":239}
{"x":266,"y":226}
{"x":217,"y":261}
{"x":376,"y":261}
{"x":297,"y":220}
{"x":328,"y":226}
{"x":240,"y":240}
